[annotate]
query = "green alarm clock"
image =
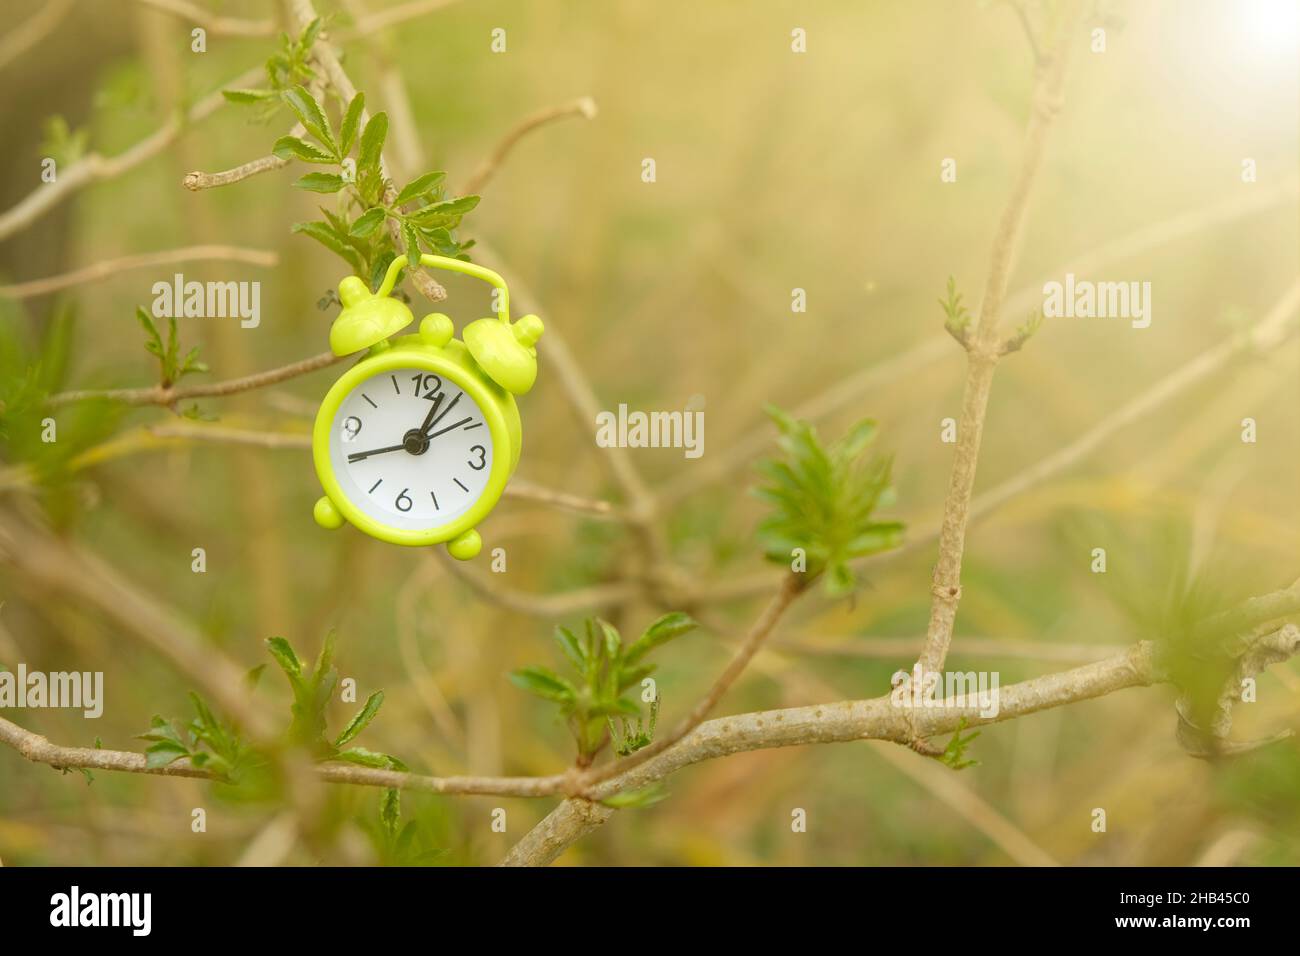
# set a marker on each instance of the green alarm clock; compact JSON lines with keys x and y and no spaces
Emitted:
{"x":414,"y":444}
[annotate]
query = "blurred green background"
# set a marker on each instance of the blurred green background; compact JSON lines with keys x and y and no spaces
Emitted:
{"x":775,"y":171}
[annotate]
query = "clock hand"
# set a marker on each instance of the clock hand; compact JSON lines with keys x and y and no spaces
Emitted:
{"x":449,"y":428}
{"x":430,"y":422}
{"x":357,"y":456}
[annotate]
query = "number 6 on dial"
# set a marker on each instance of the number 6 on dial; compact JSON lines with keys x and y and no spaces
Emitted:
{"x":414,"y":443}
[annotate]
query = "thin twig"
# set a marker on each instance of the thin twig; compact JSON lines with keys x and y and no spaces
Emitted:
{"x":103,"y":270}
{"x":546,"y":607}
{"x":302,"y":13}
{"x":740,"y":453}
{"x":583,"y":106}
{"x":33,"y":30}
{"x":94,"y":167}
{"x":213,"y":23}
{"x":168,"y":395}
{"x":236,"y":27}
{"x":1274,"y":327}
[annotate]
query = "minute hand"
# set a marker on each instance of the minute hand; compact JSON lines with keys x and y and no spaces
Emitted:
{"x":449,"y":428}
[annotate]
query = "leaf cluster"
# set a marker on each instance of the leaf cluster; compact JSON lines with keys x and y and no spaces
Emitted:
{"x":172,"y":367}
{"x":603,"y":668}
{"x":422,"y":214}
{"x":823,"y":501}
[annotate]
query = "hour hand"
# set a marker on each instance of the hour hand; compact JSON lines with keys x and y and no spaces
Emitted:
{"x":357,"y":456}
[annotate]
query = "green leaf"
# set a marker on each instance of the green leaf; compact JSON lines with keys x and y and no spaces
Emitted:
{"x":248,"y":96}
{"x":153,"y":342}
{"x":161,"y":729}
{"x":572,"y":649}
{"x":351,"y":123}
{"x":662,"y":631}
{"x":364,"y":757}
{"x":284,"y":655}
{"x":449,"y":212}
{"x":164,"y":752}
{"x":308,"y":36}
{"x":291,"y":147}
{"x":321,"y":182}
{"x":544,"y":683}
{"x":411,"y":244}
{"x":312,"y":117}
{"x":362,"y":719}
{"x":372,"y":142}
{"x":420,"y":186}
{"x":368,"y":222}
{"x":326,"y":236}
{"x":390,"y":810}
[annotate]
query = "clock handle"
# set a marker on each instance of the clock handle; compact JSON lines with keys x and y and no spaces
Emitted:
{"x":451,"y":265}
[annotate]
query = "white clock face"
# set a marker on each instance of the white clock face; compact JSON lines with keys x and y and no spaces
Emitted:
{"x":411,"y":449}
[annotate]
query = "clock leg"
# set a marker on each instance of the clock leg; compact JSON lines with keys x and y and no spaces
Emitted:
{"x":465,"y":545}
{"x":326,"y":515}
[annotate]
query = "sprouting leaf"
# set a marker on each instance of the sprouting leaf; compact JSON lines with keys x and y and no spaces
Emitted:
{"x":659,"y":633}
{"x":284,"y":655}
{"x":362,"y":719}
{"x":372,"y":142}
{"x":411,"y":241}
{"x":326,"y":236}
{"x":248,"y":96}
{"x":291,"y":147}
{"x":321,"y":182}
{"x":573,"y":650}
{"x":312,"y":117}
{"x":153,"y":342}
{"x":823,"y":500}
{"x":544,"y":683}
{"x":390,"y":810}
{"x":163,"y":753}
{"x":368,"y":222}
{"x":364,"y":757}
{"x":448,"y":212}
{"x":420,"y":186}
{"x":954,"y":753}
{"x":351,"y":123}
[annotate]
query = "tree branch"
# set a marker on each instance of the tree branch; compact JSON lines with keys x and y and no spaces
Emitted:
{"x":168,"y":395}
{"x":982,"y":358}
{"x":111,"y":267}
{"x":93,"y":167}
{"x":33,"y":30}
{"x":583,"y":106}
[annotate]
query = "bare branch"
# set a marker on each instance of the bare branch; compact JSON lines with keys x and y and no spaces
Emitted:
{"x":583,"y":106}
{"x":982,"y":358}
{"x":211,"y":22}
{"x":93,"y":168}
{"x":302,"y":13}
{"x":33,"y":30}
{"x":740,"y":453}
{"x":111,"y":267}
{"x":171,"y":394}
